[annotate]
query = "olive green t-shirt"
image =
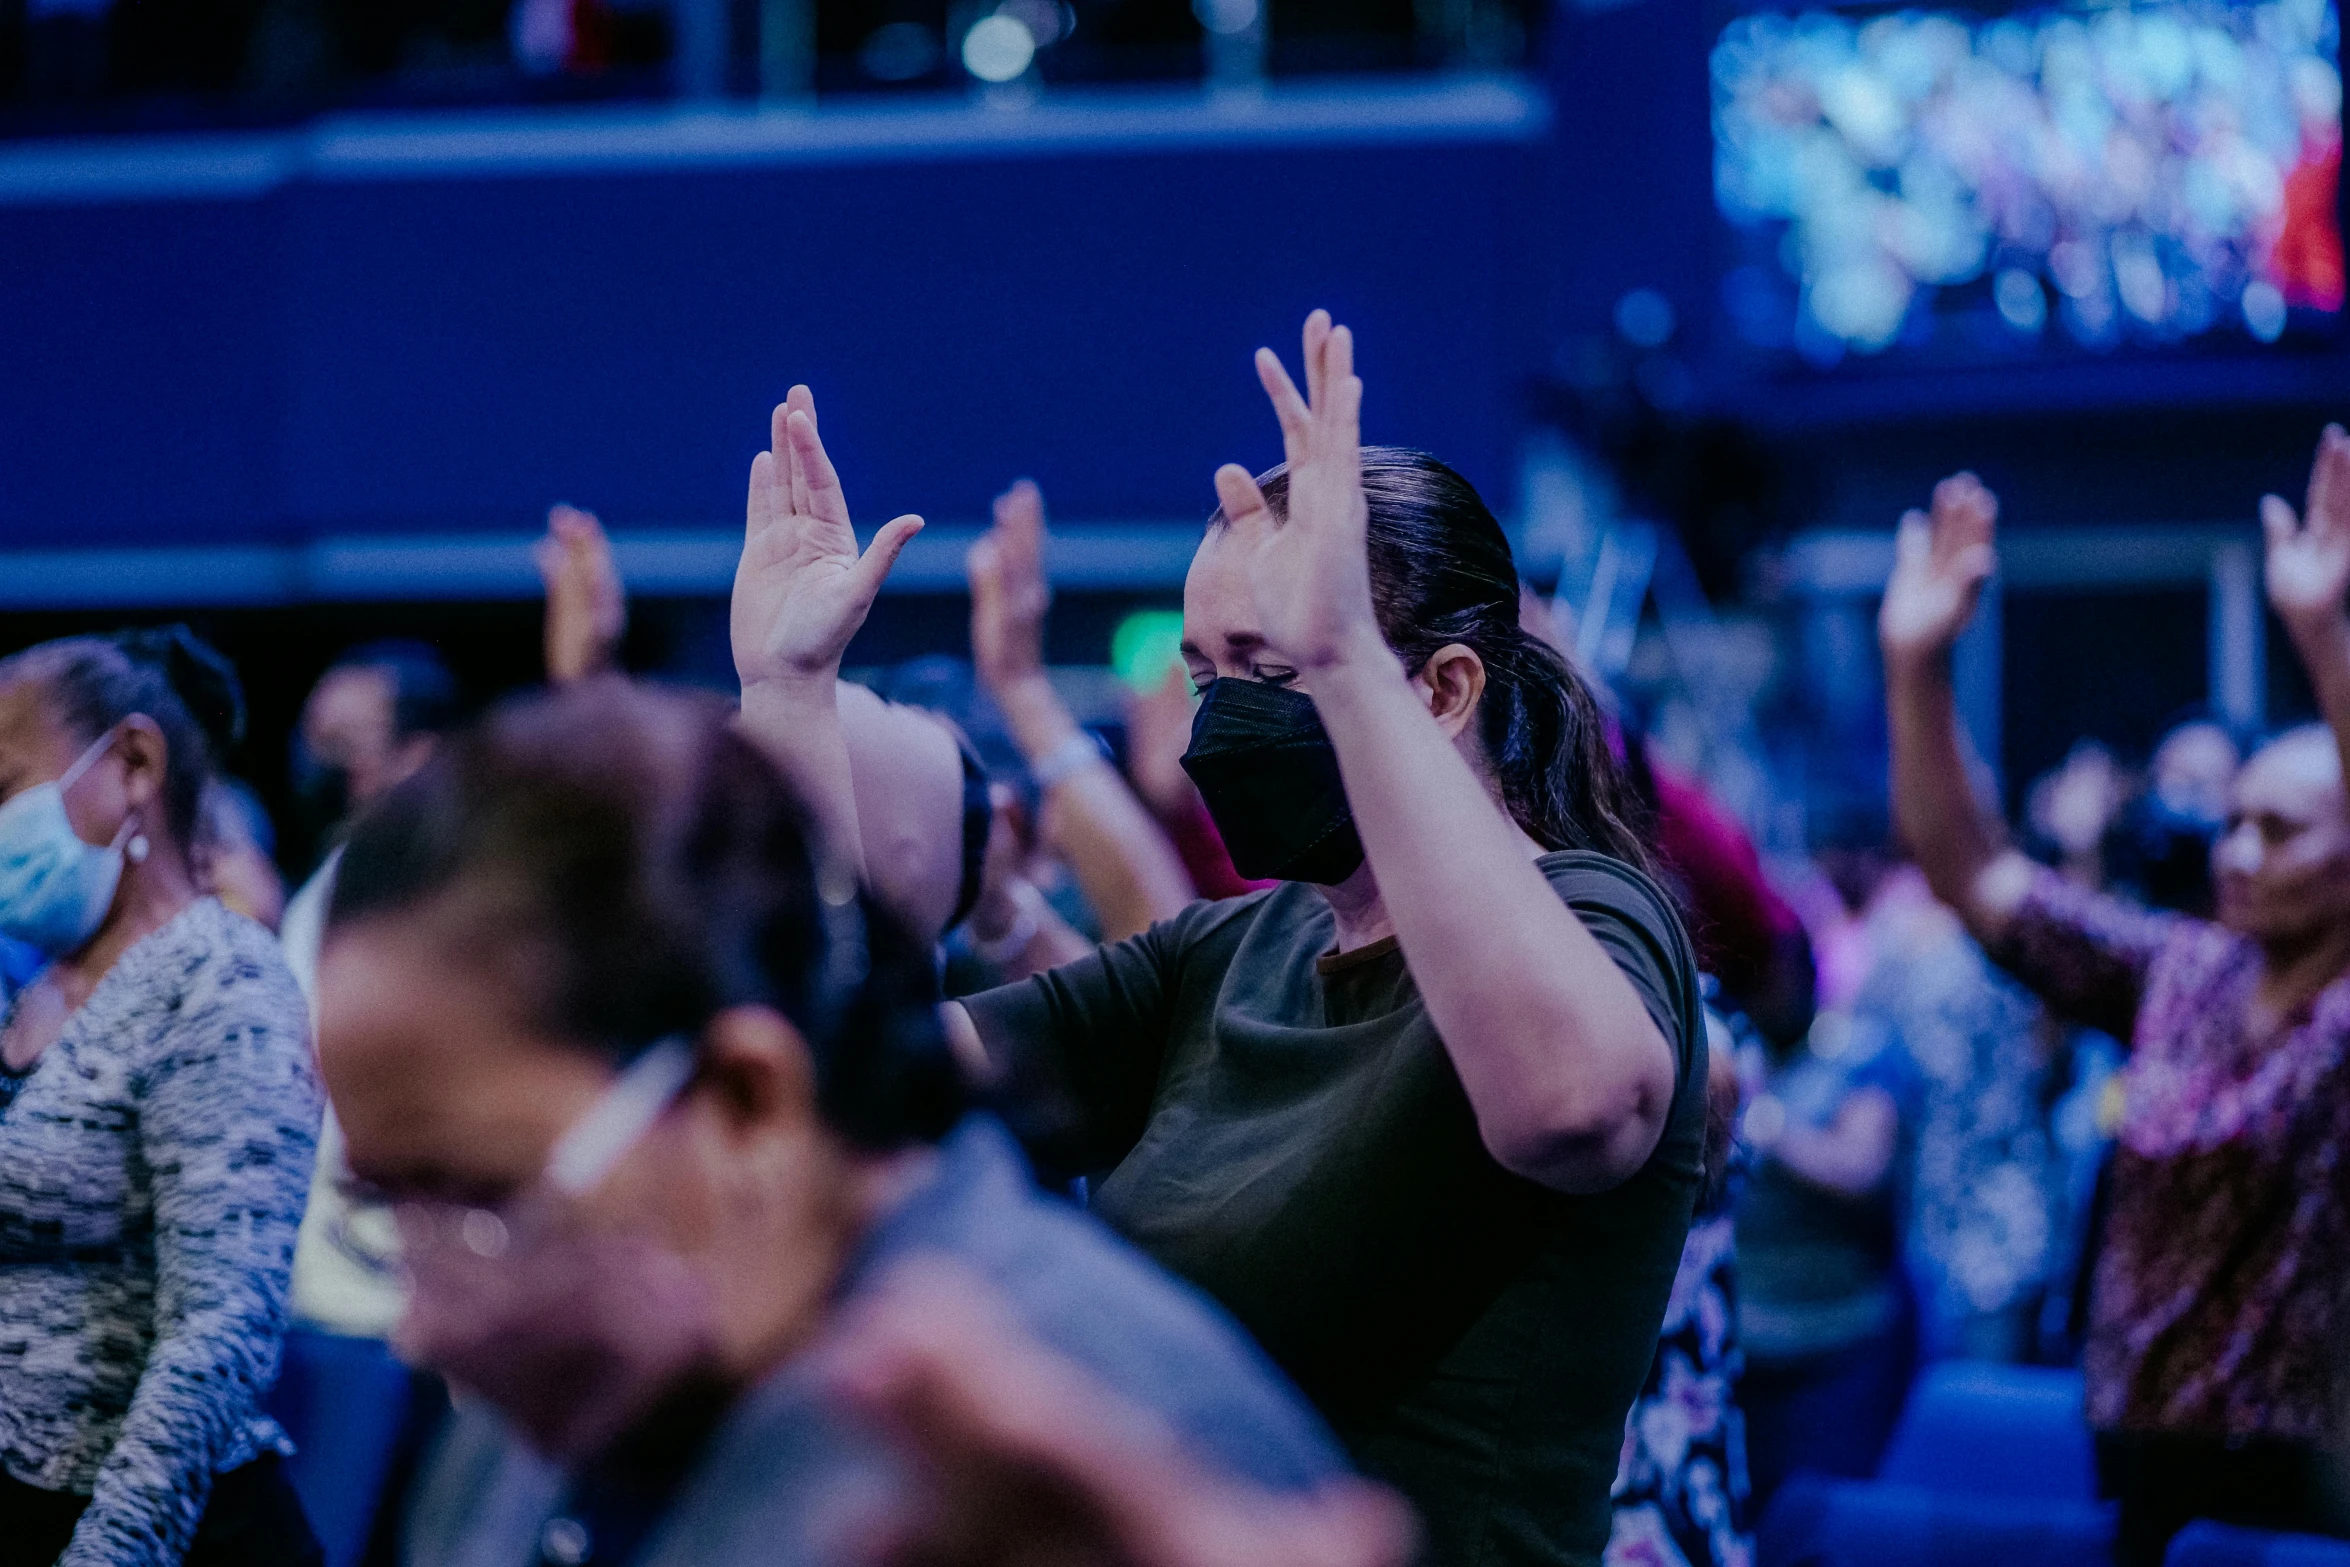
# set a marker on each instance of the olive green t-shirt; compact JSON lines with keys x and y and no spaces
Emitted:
{"x":1283,"y":1127}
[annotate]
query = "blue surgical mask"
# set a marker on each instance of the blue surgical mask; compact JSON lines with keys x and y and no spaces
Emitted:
{"x":54,"y":888}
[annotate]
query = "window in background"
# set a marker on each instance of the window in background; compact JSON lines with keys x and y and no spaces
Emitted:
{"x":1963,"y":187}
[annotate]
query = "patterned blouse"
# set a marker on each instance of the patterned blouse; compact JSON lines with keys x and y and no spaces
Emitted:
{"x":153,"y":1166}
{"x":2214,"y":1308}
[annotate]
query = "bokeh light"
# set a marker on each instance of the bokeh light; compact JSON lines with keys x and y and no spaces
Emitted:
{"x":2159,"y":169}
{"x":998,"y":48}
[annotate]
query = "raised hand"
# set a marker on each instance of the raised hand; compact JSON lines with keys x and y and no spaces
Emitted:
{"x":802,"y":590}
{"x":1009,"y":591}
{"x":1940,"y":563}
{"x":1312,"y":572}
{"x":2309,"y":555}
{"x":587,"y":608}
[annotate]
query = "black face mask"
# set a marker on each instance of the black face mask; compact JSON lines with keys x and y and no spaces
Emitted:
{"x":1265,"y":766}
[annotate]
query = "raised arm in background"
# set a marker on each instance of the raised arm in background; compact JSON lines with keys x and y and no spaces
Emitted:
{"x":1122,"y":858}
{"x":587,"y":608}
{"x":800,"y":593}
{"x":2309,"y":579}
{"x":1941,"y":561}
{"x":1570,"y":1078}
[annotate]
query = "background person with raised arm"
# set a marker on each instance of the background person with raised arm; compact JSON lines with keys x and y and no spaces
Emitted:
{"x":1428,"y":1116}
{"x":2215,"y":1318}
{"x":1117,"y":851}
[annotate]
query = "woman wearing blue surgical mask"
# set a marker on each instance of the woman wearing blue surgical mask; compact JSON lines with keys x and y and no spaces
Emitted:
{"x":158,"y":1113}
{"x":1428,"y":1116}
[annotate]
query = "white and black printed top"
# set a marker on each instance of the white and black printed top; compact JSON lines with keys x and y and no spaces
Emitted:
{"x":153,"y":1166}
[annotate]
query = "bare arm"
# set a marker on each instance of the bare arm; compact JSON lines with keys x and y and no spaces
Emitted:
{"x":1569,"y":1076}
{"x":1849,"y":1156}
{"x":1120,"y":854}
{"x":587,"y":608}
{"x":800,"y":594}
{"x":1012,"y":925}
{"x":2309,"y":576}
{"x":1940,"y":564}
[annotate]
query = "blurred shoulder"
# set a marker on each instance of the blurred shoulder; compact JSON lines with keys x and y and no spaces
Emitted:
{"x":1210,"y":921}
{"x":225,"y":969}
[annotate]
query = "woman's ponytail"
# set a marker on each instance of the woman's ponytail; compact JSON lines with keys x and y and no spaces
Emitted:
{"x":1546,"y":739}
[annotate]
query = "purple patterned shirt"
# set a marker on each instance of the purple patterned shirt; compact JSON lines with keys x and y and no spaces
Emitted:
{"x":2215,"y":1308}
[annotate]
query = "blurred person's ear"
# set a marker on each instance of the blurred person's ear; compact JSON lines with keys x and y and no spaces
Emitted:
{"x":759,"y":1070}
{"x":408,"y":758}
{"x":146,"y":760}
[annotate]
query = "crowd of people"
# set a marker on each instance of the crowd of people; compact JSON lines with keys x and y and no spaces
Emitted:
{"x":1391,"y":1117}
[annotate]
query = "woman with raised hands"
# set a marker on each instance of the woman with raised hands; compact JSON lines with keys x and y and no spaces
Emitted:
{"x":1428,"y":1115}
{"x":2215,"y":1320}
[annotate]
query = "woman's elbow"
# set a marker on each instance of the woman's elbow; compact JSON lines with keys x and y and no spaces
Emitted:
{"x":1581,"y":1143}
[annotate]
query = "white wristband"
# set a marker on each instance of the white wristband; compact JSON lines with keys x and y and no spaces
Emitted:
{"x":1072,"y":756}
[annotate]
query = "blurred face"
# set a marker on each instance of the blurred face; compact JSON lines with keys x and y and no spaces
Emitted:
{"x":36,"y":749}
{"x":2282,"y":864}
{"x":2193,"y":768}
{"x":699,"y":1261}
{"x":351,"y":723}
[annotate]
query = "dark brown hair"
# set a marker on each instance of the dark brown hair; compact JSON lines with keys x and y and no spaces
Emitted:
{"x":658,"y":868}
{"x":1441,"y":573}
{"x":90,"y":684}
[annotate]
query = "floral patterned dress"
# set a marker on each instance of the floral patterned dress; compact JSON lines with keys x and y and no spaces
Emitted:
{"x":1680,"y":1491}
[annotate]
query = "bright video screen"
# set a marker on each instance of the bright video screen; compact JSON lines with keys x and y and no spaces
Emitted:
{"x":1965,"y":186}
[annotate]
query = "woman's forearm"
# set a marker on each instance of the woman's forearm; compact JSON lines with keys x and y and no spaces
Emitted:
{"x":1567,"y":1072}
{"x":1852,"y":1154}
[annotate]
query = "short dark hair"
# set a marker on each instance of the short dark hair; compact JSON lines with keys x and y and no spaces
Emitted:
{"x":171,"y":675}
{"x":665,"y":864}
{"x":424,"y":692}
{"x":1441,"y":572}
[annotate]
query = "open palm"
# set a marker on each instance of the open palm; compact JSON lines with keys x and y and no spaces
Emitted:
{"x":1940,"y":562}
{"x":1312,"y":573}
{"x":802,"y":590}
{"x":2309,"y":555}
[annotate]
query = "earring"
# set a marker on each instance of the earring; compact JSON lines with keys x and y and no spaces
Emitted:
{"x":136,"y":849}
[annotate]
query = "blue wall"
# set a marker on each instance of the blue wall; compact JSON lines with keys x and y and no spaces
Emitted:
{"x":438,"y":324}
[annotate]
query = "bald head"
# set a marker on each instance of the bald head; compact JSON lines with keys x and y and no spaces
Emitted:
{"x":907,"y":771}
{"x":2283,"y":865}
